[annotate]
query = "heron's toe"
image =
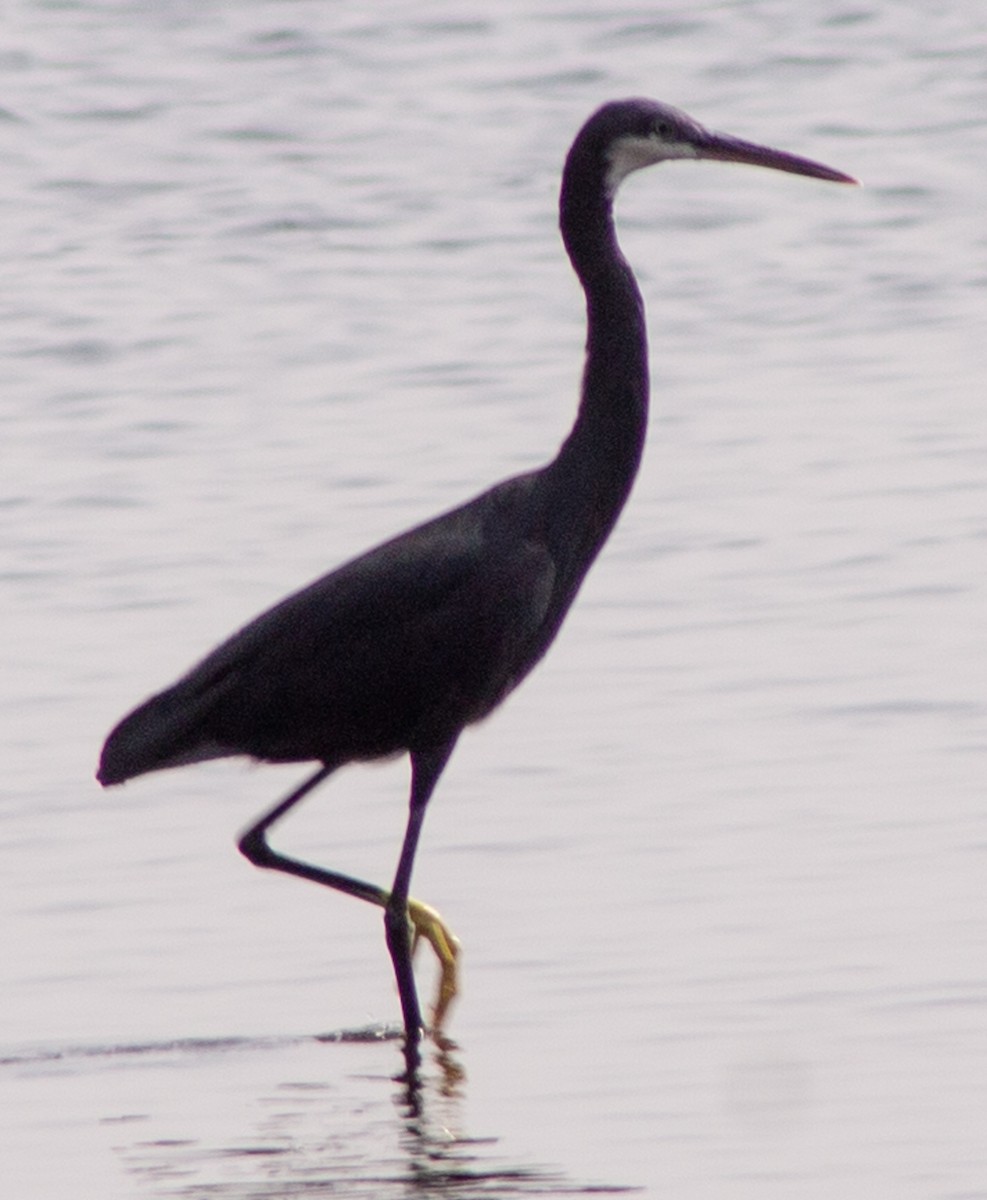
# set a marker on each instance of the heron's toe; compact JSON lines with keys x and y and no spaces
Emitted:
{"x":428,"y":924}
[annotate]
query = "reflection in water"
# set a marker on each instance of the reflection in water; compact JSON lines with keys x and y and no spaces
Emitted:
{"x":440,"y":1160}
{"x":337,"y":1137}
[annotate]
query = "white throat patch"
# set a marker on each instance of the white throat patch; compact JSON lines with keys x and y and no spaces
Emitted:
{"x":632,"y":153}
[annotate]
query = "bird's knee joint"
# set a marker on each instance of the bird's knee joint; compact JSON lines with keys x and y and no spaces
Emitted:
{"x":253,"y":846}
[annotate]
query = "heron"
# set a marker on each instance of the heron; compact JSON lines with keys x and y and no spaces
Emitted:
{"x":399,"y":650}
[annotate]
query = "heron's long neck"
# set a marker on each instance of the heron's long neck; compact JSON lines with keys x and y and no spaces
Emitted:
{"x":599,"y":459}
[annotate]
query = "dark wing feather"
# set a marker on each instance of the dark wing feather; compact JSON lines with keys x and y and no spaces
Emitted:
{"x":398,"y":649}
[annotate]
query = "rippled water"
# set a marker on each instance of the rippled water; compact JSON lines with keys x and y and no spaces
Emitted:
{"x":282,"y":278}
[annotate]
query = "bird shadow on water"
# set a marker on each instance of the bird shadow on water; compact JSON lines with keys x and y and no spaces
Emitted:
{"x":349,"y":1128}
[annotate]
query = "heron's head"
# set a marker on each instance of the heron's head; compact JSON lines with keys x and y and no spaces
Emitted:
{"x":631,"y":134}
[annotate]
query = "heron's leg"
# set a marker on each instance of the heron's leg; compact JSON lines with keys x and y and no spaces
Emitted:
{"x":426,"y":921}
{"x":254,"y":846}
{"x":426,"y":767}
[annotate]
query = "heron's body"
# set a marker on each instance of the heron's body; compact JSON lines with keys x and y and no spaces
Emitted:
{"x":402,"y":648}
{"x":396,"y":651}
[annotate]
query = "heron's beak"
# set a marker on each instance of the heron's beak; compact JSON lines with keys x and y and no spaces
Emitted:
{"x":724,"y":148}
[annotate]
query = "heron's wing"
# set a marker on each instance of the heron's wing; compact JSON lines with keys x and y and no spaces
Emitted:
{"x":409,"y":642}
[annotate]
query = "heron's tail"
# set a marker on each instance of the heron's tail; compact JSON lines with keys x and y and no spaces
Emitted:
{"x":164,"y":731}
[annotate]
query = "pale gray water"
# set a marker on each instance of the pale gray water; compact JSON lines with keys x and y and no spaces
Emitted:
{"x":281,"y":279}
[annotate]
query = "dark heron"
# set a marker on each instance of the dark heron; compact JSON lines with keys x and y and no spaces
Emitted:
{"x":400,"y":649}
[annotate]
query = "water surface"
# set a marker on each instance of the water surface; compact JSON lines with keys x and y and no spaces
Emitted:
{"x":282,"y":279}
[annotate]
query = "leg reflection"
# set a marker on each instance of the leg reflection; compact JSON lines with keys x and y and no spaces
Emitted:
{"x":447,"y":1084}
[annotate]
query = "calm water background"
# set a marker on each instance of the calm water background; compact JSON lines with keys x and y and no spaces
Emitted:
{"x":282,"y":278}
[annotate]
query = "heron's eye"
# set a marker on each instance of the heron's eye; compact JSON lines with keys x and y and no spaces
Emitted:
{"x":664,"y":131}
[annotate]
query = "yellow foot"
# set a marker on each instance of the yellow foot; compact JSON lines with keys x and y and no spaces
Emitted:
{"x":429,"y":925}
